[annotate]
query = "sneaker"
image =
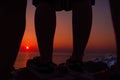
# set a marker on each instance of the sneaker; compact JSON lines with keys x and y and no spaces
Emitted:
{"x":74,"y":65}
{"x":74,"y":69}
{"x":70,"y":67}
{"x":42,"y":70}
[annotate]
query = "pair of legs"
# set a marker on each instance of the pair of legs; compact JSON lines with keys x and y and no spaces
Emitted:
{"x":115,"y":12}
{"x":45,"y":25}
{"x":12,"y":23}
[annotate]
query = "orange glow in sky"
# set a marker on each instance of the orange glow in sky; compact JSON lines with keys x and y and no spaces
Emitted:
{"x":101,"y":37}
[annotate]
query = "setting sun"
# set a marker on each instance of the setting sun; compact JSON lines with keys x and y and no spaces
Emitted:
{"x":27,"y":47}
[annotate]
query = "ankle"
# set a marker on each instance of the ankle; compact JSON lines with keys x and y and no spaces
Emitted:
{"x":43,"y":60}
{"x":75,"y":59}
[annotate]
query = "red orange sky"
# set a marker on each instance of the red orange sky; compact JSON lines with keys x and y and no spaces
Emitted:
{"x":101,"y":38}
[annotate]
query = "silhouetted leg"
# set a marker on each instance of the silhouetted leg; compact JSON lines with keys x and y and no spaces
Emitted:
{"x":45,"y":23}
{"x":115,"y":11}
{"x":82,"y":22}
{"x":12,"y":25}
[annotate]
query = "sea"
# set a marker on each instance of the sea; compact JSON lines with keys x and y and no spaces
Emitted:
{"x":58,"y":57}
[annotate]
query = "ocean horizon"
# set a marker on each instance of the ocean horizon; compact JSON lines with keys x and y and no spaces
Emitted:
{"x":58,"y":57}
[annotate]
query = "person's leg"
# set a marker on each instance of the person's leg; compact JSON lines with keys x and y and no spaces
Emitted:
{"x":12,"y":22}
{"x":82,"y":22}
{"x":45,"y":24}
{"x":115,"y":12}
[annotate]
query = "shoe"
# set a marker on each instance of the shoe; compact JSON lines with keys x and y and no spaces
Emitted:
{"x":70,"y":67}
{"x":42,"y":70}
{"x":36,"y":65}
{"x":75,"y":65}
{"x":75,"y":70}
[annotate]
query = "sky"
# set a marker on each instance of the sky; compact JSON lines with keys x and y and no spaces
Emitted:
{"x":101,"y":39}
